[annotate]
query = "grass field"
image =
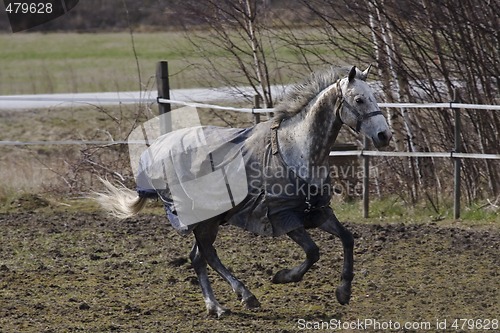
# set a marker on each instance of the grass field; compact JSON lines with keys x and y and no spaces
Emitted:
{"x":71,"y":62}
{"x":33,"y":63}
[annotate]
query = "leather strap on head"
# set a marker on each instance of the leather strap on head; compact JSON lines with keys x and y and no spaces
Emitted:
{"x":360,"y":118}
{"x":366,"y":116}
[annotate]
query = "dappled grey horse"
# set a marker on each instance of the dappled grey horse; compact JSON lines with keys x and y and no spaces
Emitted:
{"x":271,"y":179}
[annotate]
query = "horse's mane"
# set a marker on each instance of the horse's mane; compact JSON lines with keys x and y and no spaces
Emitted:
{"x":299,"y":95}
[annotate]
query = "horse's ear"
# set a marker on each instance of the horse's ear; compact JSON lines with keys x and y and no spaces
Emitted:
{"x":352,"y":73}
{"x":364,"y":74}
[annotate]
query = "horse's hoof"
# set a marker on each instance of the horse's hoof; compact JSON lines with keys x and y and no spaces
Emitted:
{"x":251,"y":302}
{"x":343,"y":295}
{"x":217,"y":311}
{"x":281,"y":276}
{"x":285,"y":276}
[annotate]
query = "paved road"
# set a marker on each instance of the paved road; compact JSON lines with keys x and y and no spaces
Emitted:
{"x":205,"y":95}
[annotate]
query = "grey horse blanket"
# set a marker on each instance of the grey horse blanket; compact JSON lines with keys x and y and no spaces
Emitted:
{"x":204,"y":172}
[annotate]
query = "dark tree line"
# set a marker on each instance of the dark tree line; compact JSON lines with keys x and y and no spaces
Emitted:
{"x":111,"y":15}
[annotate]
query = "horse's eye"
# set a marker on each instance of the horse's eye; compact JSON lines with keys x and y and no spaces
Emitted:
{"x":359,"y":100}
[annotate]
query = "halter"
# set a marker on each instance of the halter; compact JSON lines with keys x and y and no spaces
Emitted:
{"x":360,"y":118}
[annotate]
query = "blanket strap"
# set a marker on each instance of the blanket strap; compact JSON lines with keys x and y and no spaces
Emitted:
{"x":274,"y":136}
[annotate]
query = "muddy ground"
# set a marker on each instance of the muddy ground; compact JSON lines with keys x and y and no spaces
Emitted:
{"x":84,"y":272}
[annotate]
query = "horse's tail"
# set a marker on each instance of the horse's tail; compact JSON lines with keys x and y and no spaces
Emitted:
{"x":120,"y":201}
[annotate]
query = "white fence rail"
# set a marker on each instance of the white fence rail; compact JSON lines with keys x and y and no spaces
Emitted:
{"x":450,"y":154}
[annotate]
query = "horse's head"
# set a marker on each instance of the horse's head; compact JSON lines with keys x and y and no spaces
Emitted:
{"x":360,"y":110}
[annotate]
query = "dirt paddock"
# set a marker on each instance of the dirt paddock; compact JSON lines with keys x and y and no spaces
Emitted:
{"x":68,"y":272}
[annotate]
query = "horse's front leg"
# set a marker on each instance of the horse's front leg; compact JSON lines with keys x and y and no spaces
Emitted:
{"x":301,"y":237}
{"x":334,"y":227}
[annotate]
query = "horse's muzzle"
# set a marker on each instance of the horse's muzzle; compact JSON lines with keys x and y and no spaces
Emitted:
{"x":382,"y":139}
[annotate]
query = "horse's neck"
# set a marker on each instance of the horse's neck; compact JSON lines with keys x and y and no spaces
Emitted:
{"x":307,"y":138}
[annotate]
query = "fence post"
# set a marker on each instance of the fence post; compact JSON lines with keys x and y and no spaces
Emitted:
{"x":457,"y":166}
{"x":256,"y":102}
{"x":163,"y":86}
{"x":366,"y":179}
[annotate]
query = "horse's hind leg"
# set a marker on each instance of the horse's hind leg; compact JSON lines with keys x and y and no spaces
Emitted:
{"x":205,"y":234}
{"x":200,"y":267}
{"x":301,"y":237}
{"x":334,"y":227}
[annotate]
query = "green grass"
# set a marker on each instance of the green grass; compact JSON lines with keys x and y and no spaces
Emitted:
{"x":382,"y":211}
{"x":71,"y":62}
{"x":395,"y":210}
{"x":34,"y":63}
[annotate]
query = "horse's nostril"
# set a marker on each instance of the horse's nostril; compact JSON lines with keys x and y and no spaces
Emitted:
{"x":382,"y":136}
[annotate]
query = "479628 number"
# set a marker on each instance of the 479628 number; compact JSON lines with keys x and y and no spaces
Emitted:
{"x":29,"y":8}
{"x":475,"y":324}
